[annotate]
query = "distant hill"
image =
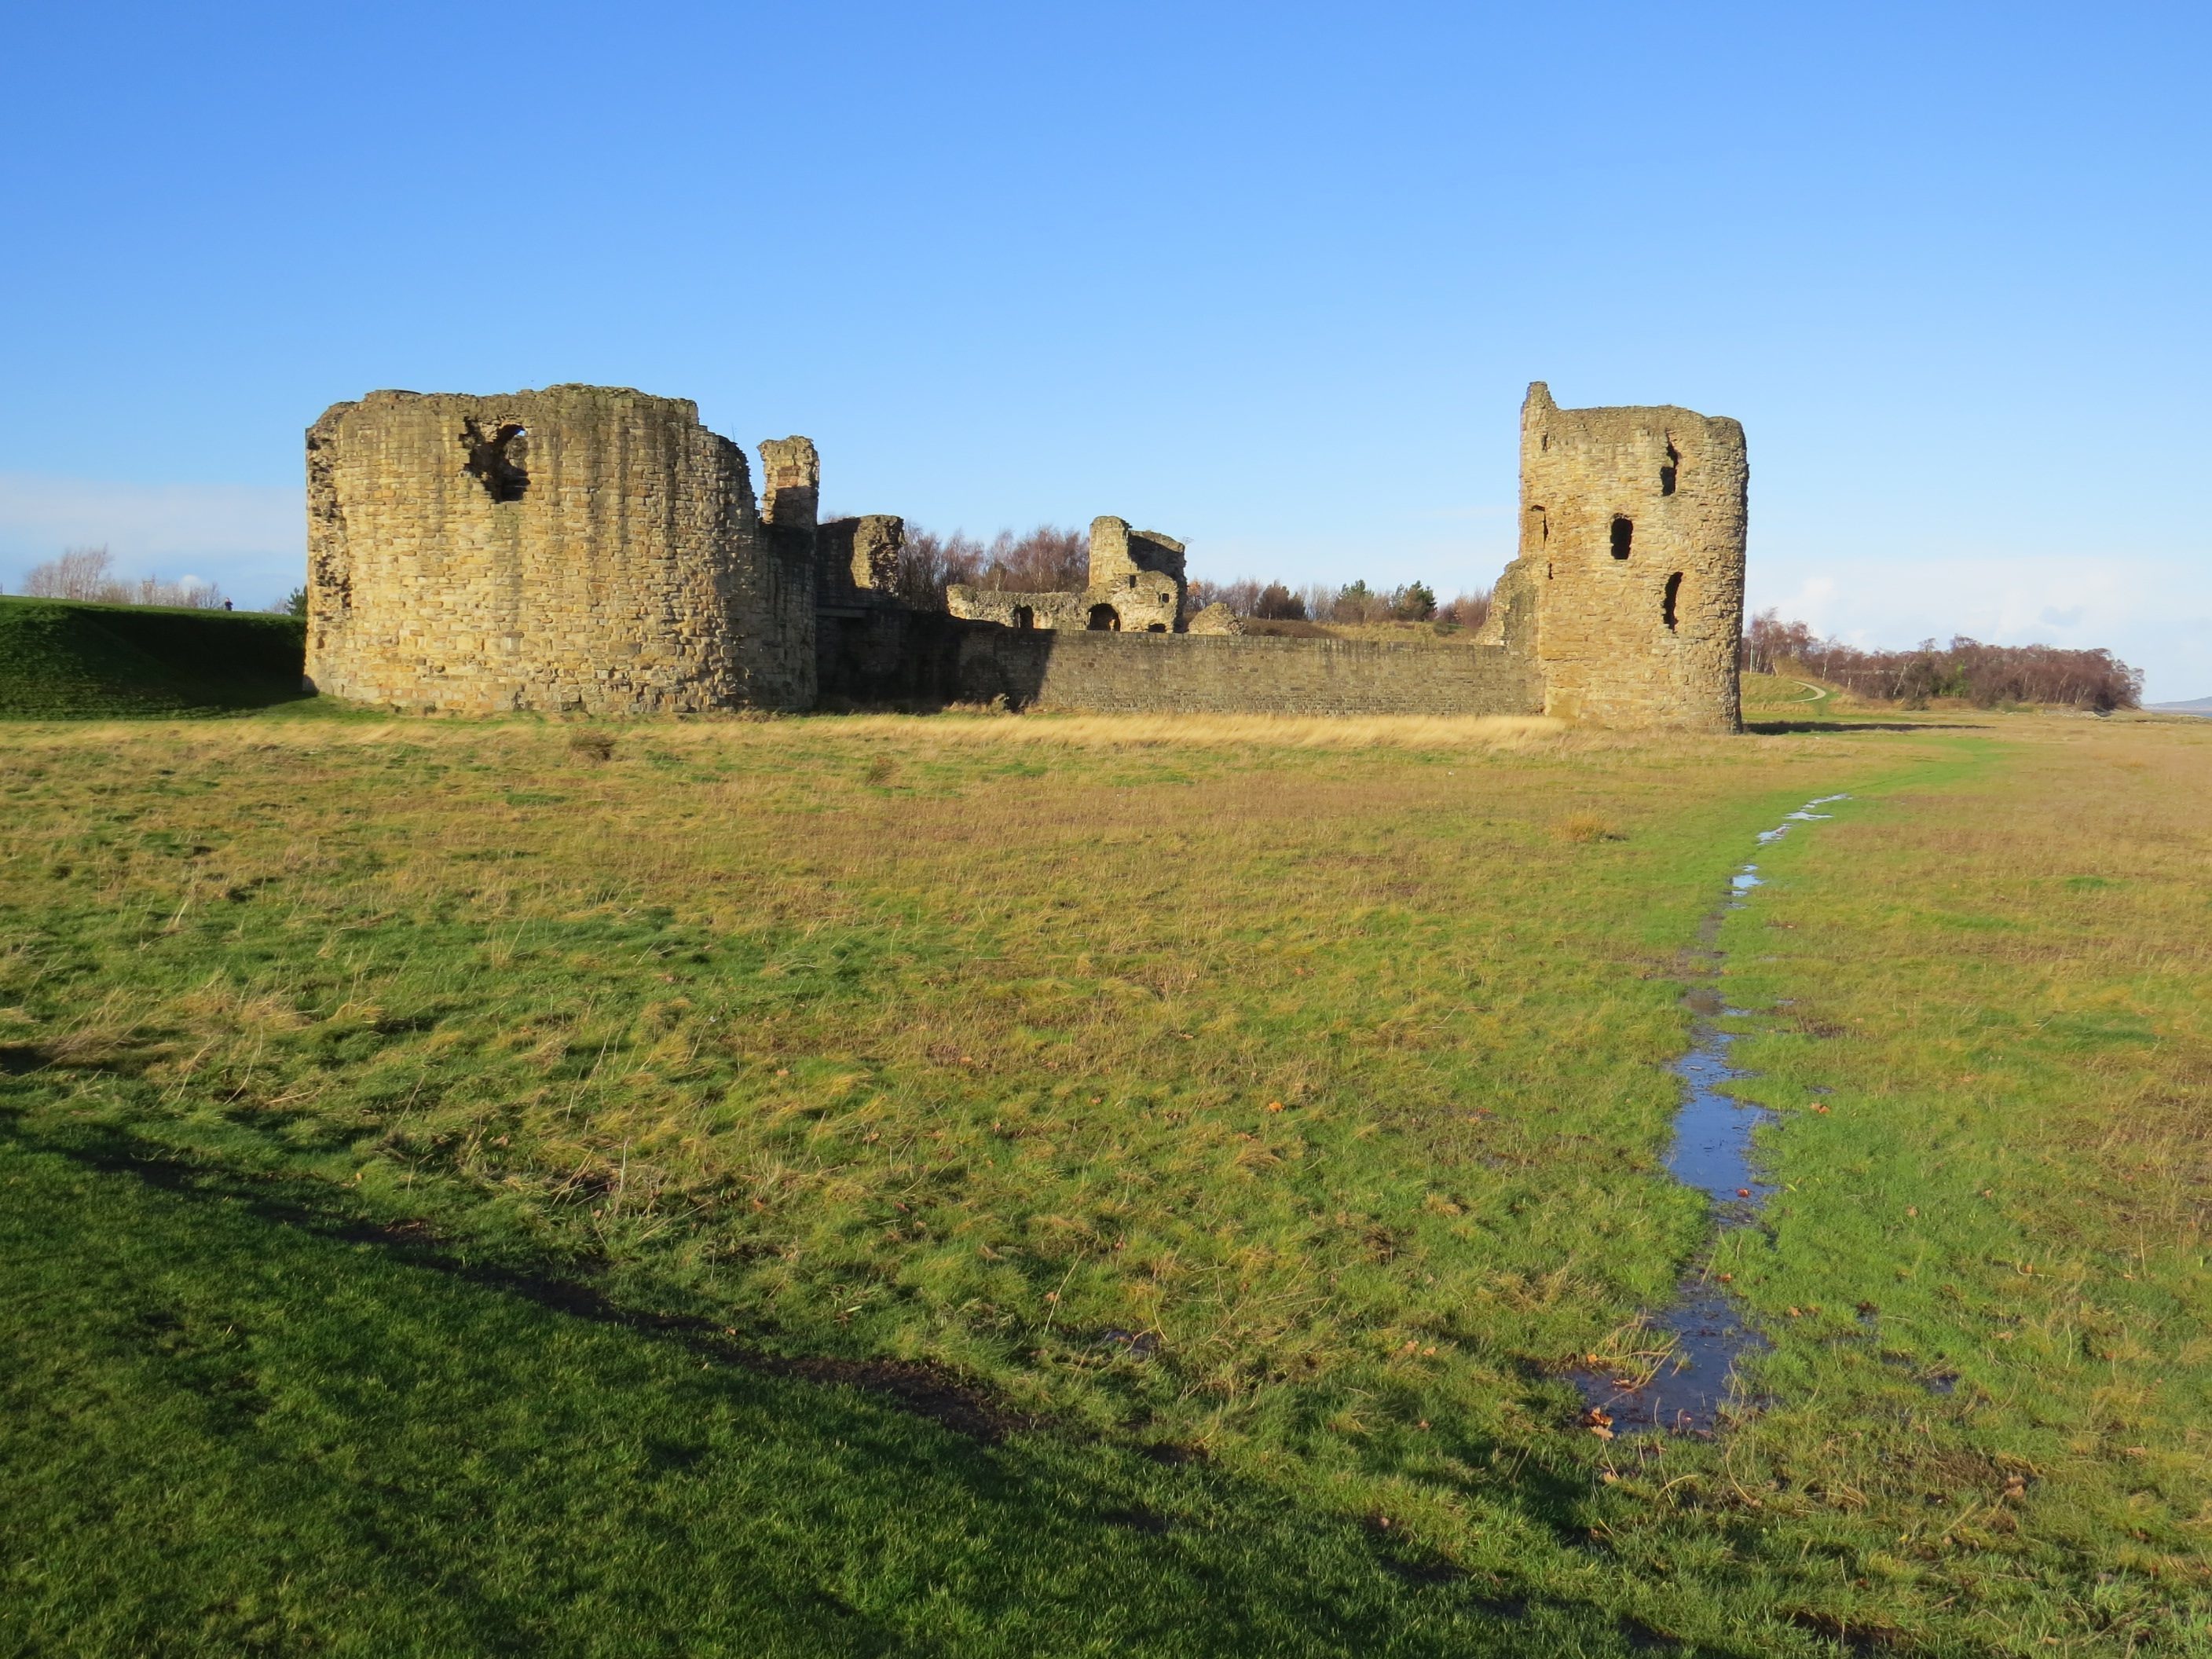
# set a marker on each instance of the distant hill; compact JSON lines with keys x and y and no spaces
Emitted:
{"x":2201,"y":706}
{"x":63,"y":660}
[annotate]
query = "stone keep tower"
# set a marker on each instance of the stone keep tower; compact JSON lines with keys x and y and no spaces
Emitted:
{"x":1632,"y":548}
{"x":579,"y":548}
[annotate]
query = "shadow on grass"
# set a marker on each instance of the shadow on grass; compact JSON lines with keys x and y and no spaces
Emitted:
{"x":1776,"y":728}
{"x":232,"y":1421}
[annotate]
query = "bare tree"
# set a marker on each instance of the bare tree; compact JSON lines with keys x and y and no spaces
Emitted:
{"x":930,"y":563}
{"x":86,"y":574}
{"x":81,"y":573}
{"x":1048,"y":560}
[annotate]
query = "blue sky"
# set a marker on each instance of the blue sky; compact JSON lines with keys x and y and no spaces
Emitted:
{"x":1271,"y":278}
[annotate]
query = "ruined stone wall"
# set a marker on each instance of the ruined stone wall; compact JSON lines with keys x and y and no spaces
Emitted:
{"x":1140,"y":573}
{"x":1054,"y":612}
{"x":1137,"y":586}
{"x":858,"y":559}
{"x":888,"y":656}
{"x":578,"y":548}
{"x":791,"y":484}
{"x":1243,"y":674}
{"x":1632,"y":524}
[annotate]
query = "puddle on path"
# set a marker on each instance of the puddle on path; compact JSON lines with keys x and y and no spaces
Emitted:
{"x":1695,"y":1340}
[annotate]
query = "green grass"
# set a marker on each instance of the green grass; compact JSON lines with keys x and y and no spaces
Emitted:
{"x":62,"y":660}
{"x":230,"y":1426}
{"x":1327,"y":1056}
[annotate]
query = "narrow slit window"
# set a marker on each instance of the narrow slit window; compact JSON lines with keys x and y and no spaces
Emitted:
{"x":1667,"y":604}
{"x":1624,"y":533}
{"x":1671,"y":470}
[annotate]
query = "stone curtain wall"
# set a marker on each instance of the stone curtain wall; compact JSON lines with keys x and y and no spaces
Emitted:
{"x":1632,"y":524}
{"x":1185,"y":673}
{"x":579,"y":548}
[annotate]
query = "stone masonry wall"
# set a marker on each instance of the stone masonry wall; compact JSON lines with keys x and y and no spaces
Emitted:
{"x":1186,"y":673}
{"x":580,"y":547}
{"x":1632,"y":525}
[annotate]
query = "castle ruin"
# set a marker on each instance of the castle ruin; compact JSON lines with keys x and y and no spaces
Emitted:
{"x":597,"y":549}
{"x":1137,"y":584}
{"x":1632,"y":527}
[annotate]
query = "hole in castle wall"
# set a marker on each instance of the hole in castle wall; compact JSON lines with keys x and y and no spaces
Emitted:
{"x":1671,"y":469}
{"x":1673,"y":596}
{"x":496,"y":461}
{"x":1104,"y":619}
{"x":1023,"y":617}
{"x":1155,"y":628}
{"x":1624,"y":533}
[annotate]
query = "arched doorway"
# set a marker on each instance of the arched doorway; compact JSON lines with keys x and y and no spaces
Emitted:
{"x":1104,"y":619}
{"x":1023,"y":617}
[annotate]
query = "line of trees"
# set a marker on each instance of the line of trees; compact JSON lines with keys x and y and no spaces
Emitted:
{"x":1985,"y":675}
{"x":1355,"y":602}
{"x":1050,"y":559}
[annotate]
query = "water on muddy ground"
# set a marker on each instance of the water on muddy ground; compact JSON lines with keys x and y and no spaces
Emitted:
{"x":1684,"y":1375}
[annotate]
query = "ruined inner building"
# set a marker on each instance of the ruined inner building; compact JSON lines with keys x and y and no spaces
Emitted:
{"x":597,"y":549}
{"x":1136,"y":583}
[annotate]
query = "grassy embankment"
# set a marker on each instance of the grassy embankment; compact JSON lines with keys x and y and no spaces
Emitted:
{"x":63,"y":660}
{"x":1291,"y":1092}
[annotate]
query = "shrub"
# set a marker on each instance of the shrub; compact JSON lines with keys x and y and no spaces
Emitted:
{"x":1584,"y":827}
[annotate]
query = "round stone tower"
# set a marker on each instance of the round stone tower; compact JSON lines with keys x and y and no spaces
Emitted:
{"x":586,"y":548}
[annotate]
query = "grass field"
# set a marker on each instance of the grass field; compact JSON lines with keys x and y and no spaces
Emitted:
{"x":1081,"y":1185}
{"x":65,"y":660}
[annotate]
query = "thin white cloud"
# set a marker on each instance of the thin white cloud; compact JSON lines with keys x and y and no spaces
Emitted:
{"x":2154,"y":613}
{"x":242,"y":537}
